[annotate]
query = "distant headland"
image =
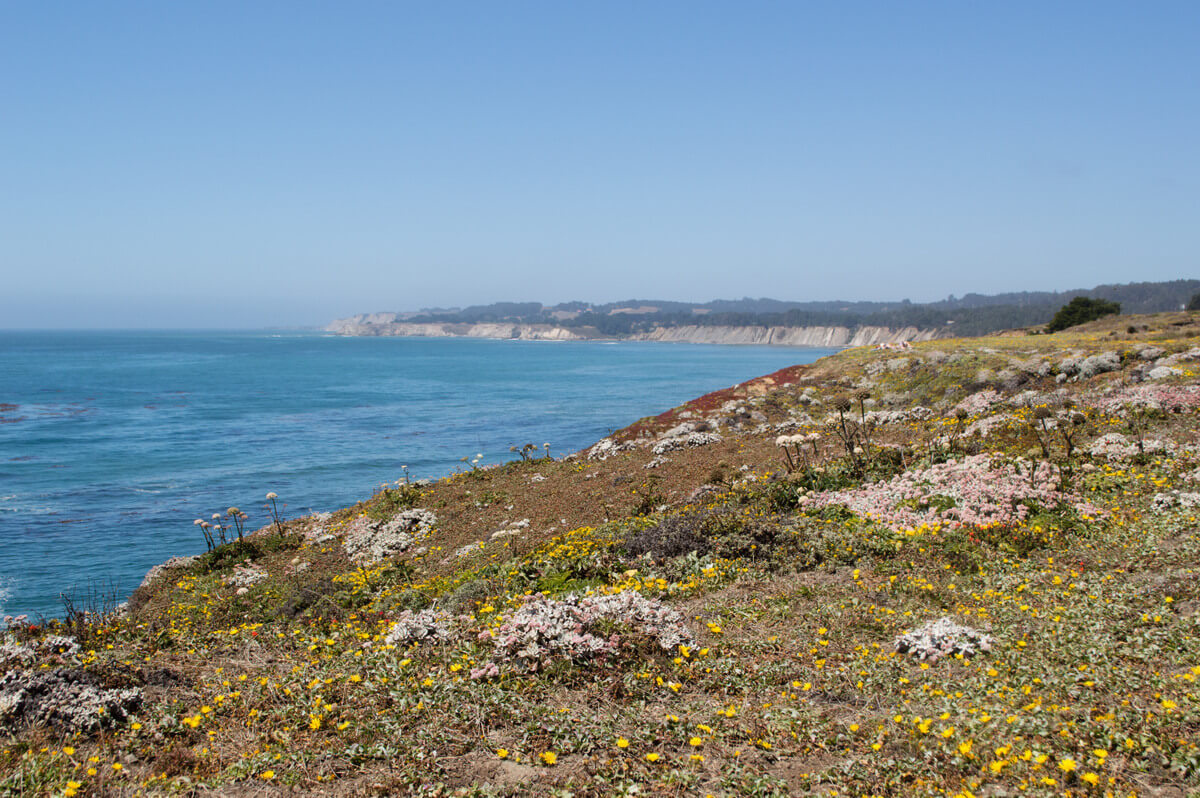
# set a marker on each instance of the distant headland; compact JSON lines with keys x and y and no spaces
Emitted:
{"x":760,"y":321}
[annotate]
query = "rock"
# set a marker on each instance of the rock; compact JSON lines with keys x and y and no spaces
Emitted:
{"x":67,"y":699}
{"x":1163,"y":372}
{"x":1151,"y":353}
{"x":173,"y":564}
{"x":1099,"y":364}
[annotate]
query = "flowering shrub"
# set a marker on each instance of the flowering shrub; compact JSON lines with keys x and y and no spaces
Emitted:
{"x":426,"y":626}
{"x":972,"y":492}
{"x":547,"y":630}
{"x":979,"y":402}
{"x":941,"y":638}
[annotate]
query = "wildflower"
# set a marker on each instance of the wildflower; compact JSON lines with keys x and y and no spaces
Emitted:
{"x":622,"y":742}
{"x":68,"y":750}
{"x":1066,"y":765}
{"x":1090,"y":778}
{"x":695,"y":742}
{"x":117,"y":766}
{"x":549,"y":757}
{"x":651,"y":757}
{"x":502,"y":753}
{"x":267,"y":774}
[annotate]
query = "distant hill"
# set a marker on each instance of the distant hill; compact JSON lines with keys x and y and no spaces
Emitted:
{"x":972,"y":314}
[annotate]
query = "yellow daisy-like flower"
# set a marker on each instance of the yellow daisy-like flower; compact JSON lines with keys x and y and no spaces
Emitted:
{"x":502,"y":753}
{"x":948,"y":732}
{"x":651,"y":757}
{"x":68,"y":750}
{"x":549,"y":757}
{"x":117,"y":766}
{"x":1090,"y":778}
{"x":622,"y":742}
{"x":267,"y":774}
{"x":1066,"y":765}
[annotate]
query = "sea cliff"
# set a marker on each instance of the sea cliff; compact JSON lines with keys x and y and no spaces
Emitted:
{"x":385,"y":324}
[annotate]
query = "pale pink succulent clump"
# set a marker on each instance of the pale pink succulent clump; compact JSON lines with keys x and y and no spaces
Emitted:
{"x":974,"y":492}
{"x":546,"y":630}
{"x":1171,"y":398}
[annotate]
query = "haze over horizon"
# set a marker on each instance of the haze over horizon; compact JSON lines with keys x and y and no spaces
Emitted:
{"x":284,"y":164}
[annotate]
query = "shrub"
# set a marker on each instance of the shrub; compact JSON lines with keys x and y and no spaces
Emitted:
{"x":1081,"y":310}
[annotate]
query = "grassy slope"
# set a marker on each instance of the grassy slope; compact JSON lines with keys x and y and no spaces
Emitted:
{"x":793,"y":686}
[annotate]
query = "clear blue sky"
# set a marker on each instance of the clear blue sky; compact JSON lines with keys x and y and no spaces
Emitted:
{"x":256,"y":164}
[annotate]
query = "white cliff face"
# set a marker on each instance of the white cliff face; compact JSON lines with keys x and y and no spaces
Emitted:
{"x":384,"y":324}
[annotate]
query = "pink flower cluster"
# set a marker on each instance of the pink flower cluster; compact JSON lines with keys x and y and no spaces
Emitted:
{"x":979,"y":402}
{"x":547,"y":630}
{"x":974,"y":492}
{"x":1170,"y":398}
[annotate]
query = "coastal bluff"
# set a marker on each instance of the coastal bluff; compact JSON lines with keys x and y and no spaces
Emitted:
{"x":388,"y":324}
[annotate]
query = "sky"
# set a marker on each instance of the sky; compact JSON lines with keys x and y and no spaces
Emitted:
{"x":247,"y":165}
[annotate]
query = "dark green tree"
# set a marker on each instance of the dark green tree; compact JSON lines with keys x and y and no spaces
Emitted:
{"x":1080,"y":310}
{"x":1194,"y":302}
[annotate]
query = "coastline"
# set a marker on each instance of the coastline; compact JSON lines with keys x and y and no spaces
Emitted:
{"x":798,"y":337}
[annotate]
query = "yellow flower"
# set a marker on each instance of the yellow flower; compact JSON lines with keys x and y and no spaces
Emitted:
{"x":117,"y":766}
{"x":622,"y":742}
{"x":652,"y":757}
{"x":1066,"y":765}
{"x":1168,"y":704}
{"x":964,"y":748}
{"x":948,"y":733}
{"x":549,"y":757}
{"x":502,"y":753}
{"x":91,"y":771}
{"x":1090,"y":778}
{"x":68,"y":750}
{"x":267,"y":774}
{"x":695,"y":742}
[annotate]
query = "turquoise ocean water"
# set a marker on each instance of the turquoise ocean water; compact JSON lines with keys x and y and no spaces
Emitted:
{"x":111,"y":443}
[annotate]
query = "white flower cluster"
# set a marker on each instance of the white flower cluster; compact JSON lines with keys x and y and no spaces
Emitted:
{"x":943,"y":638}
{"x":690,"y":439}
{"x":607,"y":447}
{"x":426,"y":626}
{"x":548,"y":630}
{"x":1116,"y":447}
{"x":797,"y":440}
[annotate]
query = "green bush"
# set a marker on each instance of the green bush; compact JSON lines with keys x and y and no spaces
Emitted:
{"x":1081,"y":310}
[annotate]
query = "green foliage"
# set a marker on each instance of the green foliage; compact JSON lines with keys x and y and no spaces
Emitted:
{"x":1194,"y":302}
{"x":1081,"y":310}
{"x":390,"y":501}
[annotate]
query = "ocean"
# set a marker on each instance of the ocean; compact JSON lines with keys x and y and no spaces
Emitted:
{"x":111,"y":443}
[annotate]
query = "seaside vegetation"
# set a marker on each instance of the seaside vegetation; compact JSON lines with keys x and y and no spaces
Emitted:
{"x":964,"y":568}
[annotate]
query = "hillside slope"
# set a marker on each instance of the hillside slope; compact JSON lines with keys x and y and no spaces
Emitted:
{"x":968,"y":567}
